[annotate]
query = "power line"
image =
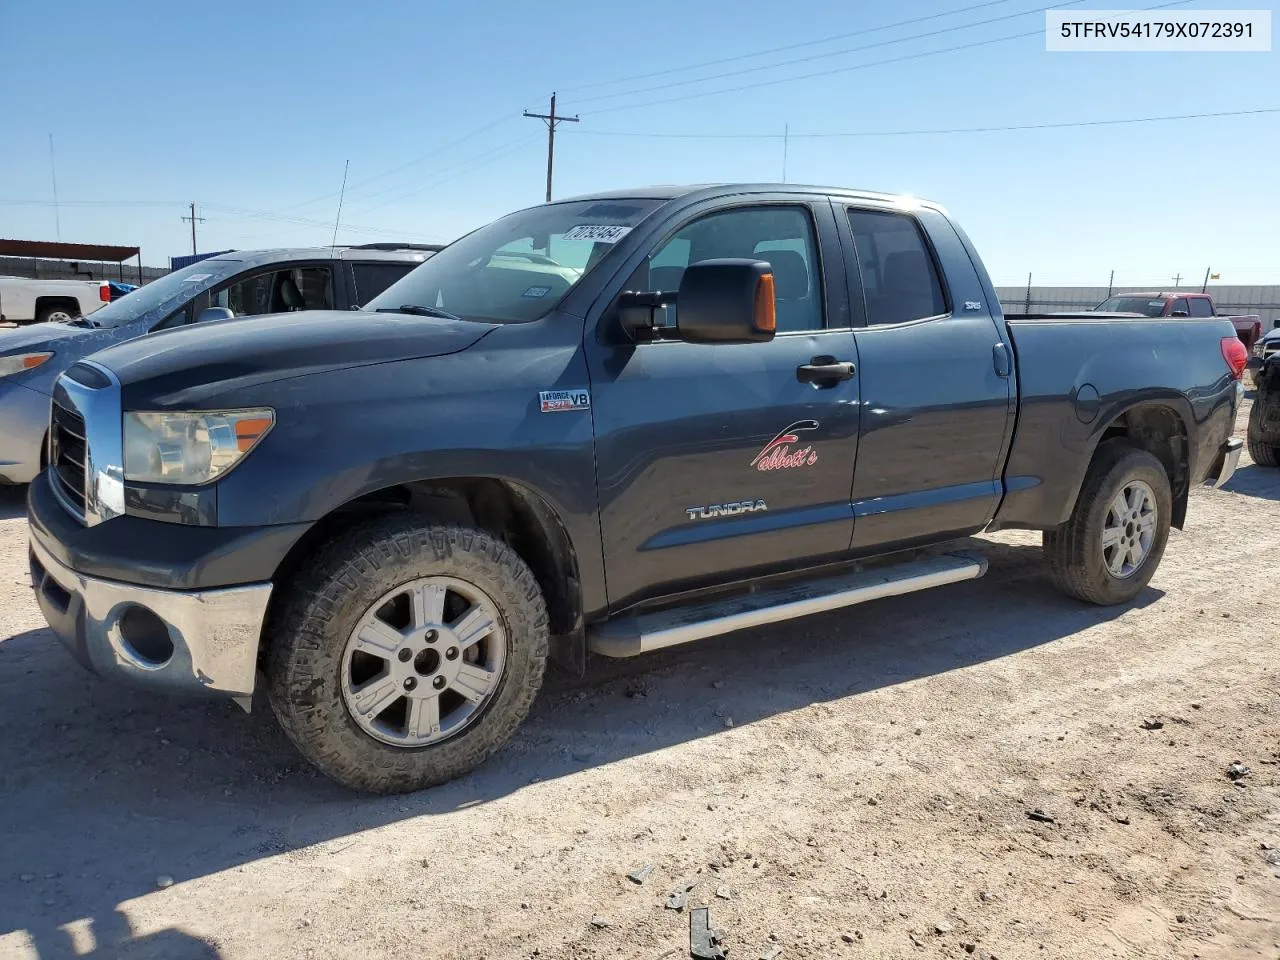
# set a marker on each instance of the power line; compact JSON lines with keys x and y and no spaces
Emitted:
{"x":831,"y":53}
{"x":913,"y":133}
{"x":360,"y":184}
{"x":449,"y":173}
{"x":789,"y":46}
{"x":857,"y":66}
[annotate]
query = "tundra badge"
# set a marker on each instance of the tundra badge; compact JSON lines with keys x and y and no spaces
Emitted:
{"x":725,"y":509}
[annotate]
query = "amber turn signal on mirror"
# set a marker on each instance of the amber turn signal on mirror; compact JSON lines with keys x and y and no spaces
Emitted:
{"x":766,"y":307}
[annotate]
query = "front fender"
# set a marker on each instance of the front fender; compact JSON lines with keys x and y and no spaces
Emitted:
{"x":341,"y":435}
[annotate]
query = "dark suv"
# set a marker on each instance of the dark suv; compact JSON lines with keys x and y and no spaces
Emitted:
{"x":245,"y":283}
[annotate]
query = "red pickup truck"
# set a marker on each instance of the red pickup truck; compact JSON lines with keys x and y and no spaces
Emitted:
{"x":1248,"y":327}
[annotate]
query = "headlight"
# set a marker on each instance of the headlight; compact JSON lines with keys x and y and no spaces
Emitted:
{"x":20,"y":362}
{"x":190,"y":447}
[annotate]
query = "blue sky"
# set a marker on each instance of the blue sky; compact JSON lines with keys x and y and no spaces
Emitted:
{"x":251,"y":109}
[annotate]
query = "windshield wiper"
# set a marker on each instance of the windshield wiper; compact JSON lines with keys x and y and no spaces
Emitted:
{"x":81,"y":322}
{"x":419,"y":311}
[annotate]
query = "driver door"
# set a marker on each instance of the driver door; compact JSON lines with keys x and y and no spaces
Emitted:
{"x":717,"y":461}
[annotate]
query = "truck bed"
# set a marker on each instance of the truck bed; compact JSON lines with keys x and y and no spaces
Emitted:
{"x":1072,"y":384}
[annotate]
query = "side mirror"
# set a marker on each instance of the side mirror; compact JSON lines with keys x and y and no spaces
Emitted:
{"x":720,"y":301}
{"x":727,"y":301}
{"x":214,"y":313}
{"x":1179,"y":313}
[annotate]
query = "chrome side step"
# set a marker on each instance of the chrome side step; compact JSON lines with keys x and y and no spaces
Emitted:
{"x":641,"y":633}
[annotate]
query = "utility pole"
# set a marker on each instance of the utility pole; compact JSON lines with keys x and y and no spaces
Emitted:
{"x":193,"y":218}
{"x":1177,"y":281}
{"x":552,"y":119}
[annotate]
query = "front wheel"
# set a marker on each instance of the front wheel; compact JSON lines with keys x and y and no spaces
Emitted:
{"x":407,"y":653}
{"x":1109,"y":548}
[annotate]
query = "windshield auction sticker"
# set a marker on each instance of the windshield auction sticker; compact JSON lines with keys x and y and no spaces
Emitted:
{"x":600,"y":233}
{"x":1158,"y":31}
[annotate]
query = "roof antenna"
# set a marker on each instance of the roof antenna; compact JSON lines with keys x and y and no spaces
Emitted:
{"x":342,"y":193}
{"x":786,"y":137}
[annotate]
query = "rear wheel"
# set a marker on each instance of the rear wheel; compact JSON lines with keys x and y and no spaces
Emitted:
{"x":407,"y":653}
{"x":1109,"y":549}
{"x":56,"y":313}
{"x":1264,"y":454}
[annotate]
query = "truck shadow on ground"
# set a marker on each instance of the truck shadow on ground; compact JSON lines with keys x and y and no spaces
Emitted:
{"x":106,"y":789}
{"x":1255,"y":481}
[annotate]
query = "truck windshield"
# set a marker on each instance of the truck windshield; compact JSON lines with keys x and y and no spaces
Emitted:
{"x":518,"y":268}
{"x":171,"y":291}
{"x":1147,"y":306}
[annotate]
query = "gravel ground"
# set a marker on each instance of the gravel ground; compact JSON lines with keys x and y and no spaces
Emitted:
{"x":985,"y":770}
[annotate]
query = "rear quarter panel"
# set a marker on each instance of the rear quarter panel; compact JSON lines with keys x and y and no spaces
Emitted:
{"x":1062,"y":364}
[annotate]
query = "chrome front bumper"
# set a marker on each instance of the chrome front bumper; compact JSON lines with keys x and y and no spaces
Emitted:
{"x":194,"y":642}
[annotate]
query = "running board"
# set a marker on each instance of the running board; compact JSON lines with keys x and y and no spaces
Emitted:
{"x":643,"y":632}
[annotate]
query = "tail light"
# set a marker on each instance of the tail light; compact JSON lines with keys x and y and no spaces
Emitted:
{"x":1235,"y":354}
{"x":104,"y":292}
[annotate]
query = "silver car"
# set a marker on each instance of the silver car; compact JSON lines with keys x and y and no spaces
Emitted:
{"x":242,"y":283}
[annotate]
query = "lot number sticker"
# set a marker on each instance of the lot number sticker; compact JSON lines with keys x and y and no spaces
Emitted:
{"x":600,"y":233}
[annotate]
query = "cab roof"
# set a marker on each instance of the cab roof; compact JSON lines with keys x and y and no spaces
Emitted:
{"x":682,"y":191}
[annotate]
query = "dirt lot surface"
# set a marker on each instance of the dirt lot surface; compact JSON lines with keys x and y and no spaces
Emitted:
{"x":985,"y":770}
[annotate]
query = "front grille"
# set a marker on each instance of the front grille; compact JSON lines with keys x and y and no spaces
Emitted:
{"x":67,"y":456}
{"x":1270,"y":347}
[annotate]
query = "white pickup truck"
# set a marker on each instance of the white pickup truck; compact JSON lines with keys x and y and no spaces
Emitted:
{"x":23,"y":300}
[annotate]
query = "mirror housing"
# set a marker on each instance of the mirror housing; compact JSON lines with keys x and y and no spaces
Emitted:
{"x":1180,"y":313}
{"x":214,"y":313}
{"x":727,"y":301}
{"x":720,"y":301}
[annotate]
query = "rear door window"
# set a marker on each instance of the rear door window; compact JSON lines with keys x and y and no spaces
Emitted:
{"x":1201,"y":307}
{"x":372,"y":278}
{"x":302,"y":288}
{"x":899,"y":278}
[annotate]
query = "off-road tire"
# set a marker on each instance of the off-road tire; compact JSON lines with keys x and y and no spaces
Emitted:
{"x":309,"y":628}
{"x":1074,"y":550}
{"x":1264,"y":454}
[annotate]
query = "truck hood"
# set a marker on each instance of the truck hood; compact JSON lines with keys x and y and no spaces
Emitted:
{"x":188,"y":363}
{"x":47,"y":336}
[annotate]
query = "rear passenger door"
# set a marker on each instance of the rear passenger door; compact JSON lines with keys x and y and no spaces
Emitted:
{"x":936,"y":381}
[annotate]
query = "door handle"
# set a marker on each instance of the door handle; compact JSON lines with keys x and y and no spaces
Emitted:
{"x":827,"y":371}
{"x":1000,"y":360}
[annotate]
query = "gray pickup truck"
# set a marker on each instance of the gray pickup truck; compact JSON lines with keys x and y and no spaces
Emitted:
{"x":610,"y":424}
